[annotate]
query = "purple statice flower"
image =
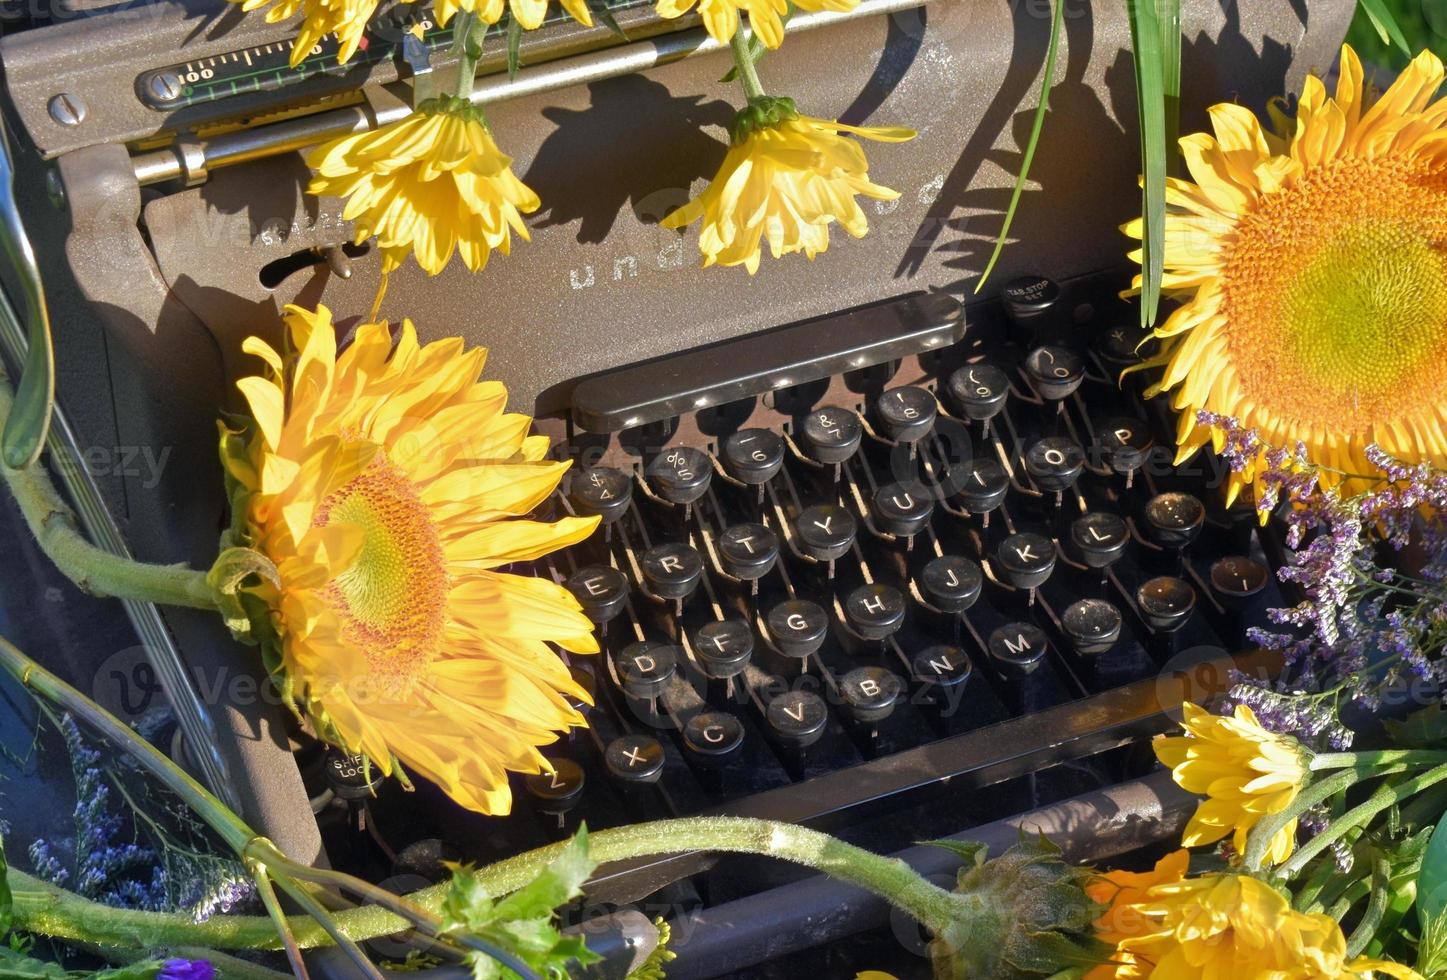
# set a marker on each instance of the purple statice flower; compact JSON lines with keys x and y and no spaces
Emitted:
{"x":186,"y":970}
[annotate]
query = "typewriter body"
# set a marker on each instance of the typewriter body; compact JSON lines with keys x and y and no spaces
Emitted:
{"x":879,"y":555}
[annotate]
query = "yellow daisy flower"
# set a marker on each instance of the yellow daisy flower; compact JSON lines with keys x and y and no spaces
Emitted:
{"x":528,"y":13}
{"x":348,"y":18}
{"x":1244,"y":771}
{"x":431,"y":184}
{"x":1311,"y":263}
{"x":387,"y":486}
{"x":786,"y":178}
{"x":766,"y":17}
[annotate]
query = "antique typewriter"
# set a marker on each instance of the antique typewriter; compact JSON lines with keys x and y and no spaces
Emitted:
{"x":877,"y":555}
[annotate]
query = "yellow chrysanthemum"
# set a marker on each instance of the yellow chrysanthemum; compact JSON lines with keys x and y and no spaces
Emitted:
{"x":348,"y":18}
{"x":1312,"y":266}
{"x":786,"y":178}
{"x":766,"y":17}
{"x":430,"y":184}
{"x":1120,"y":892}
{"x":1244,"y":771}
{"x":528,"y":13}
{"x":1236,"y":926}
{"x":387,"y":485}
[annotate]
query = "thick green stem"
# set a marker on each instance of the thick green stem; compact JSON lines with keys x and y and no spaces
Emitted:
{"x":93,"y":569}
{"x":1383,"y":757}
{"x":1381,"y":799}
{"x":1376,"y":906}
{"x":1259,"y":840}
{"x":471,"y":29}
{"x":744,"y":62}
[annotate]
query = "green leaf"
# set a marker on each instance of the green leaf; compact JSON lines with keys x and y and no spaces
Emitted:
{"x":606,"y":18}
{"x":235,"y":567}
{"x":514,"y":47}
{"x":1425,"y":728}
{"x":972,"y":852}
{"x":1386,"y":25}
{"x":1432,"y":877}
{"x":18,"y":966}
{"x":1029,"y":155}
{"x":1145,"y":29}
{"x":1168,"y":13}
{"x":560,"y":882}
{"x":29,"y":419}
{"x":7,"y":902}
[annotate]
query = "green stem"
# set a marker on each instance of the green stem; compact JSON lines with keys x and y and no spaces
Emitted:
{"x":1407,"y":757}
{"x":748,"y":72}
{"x":1376,"y":907}
{"x":471,"y":29}
{"x":1381,"y":799}
{"x":1260,"y":837}
{"x":93,"y":569}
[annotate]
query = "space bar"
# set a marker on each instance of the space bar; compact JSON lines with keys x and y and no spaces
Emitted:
{"x":752,"y":365}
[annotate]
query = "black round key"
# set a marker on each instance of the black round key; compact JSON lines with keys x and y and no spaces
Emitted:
{"x":982,"y":483}
{"x":950,"y":583}
{"x":672,"y":570}
{"x":797,"y":717}
{"x":634,"y":759}
{"x":1174,"y":519}
{"x":906,"y":414}
{"x":559,"y":790}
{"x":1166,"y":603}
{"x":603,"y":491}
{"x":1054,"y":371}
{"x":601,"y":590}
{"x":875,"y":611}
{"x":1122,"y":346}
{"x":350,"y":776}
{"x":826,"y":531}
{"x":713,"y":734}
{"x":1055,"y":463}
{"x":1017,"y":649}
{"x":1236,"y":578}
{"x":724,"y":647}
{"x":1025,"y":560}
{"x":1091,"y":625}
{"x":1030,"y":301}
{"x":680,"y":474}
{"x":798,"y":627}
{"x":753,"y":455}
{"x":832,"y":434}
{"x":1123,"y":443}
{"x":979,"y":390}
{"x":941,"y":666}
{"x":748,"y":550}
{"x":902,"y":510}
{"x":870,"y":693}
{"x":646,"y":666}
{"x":1099,"y":537}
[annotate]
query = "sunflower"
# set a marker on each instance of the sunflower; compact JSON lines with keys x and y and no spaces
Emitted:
{"x":348,"y":18}
{"x":786,"y":178}
{"x":1244,"y":771}
{"x":430,"y":184}
{"x":528,"y":13}
{"x":1311,"y":264}
{"x":386,"y":485}
{"x":766,"y":17}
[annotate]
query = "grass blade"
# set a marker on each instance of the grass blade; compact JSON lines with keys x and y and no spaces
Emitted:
{"x":1035,"y":127}
{"x":1145,"y":32}
{"x":1168,"y":16}
{"x":1386,"y":25}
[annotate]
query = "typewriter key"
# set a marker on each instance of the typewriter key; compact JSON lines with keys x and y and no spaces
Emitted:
{"x":1175,"y":519}
{"x":875,"y":611}
{"x":351,"y":777}
{"x":979,"y":390}
{"x":634,"y":759}
{"x":1025,"y":560}
{"x":645,"y":668}
{"x":603,"y":491}
{"x":1017,"y":649}
{"x":1123,"y":444}
{"x":1091,"y":625}
{"x":601,"y":590}
{"x":672,"y":570}
{"x":1055,"y":463}
{"x":1122,"y":346}
{"x":1099,"y":537}
{"x":902,"y":510}
{"x":556,"y":792}
{"x":950,"y":583}
{"x":798,"y":718}
{"x":1166,"y":603}
{"x":748,"y":550}
{"x":798,"y":627}
{"x":906,"y":414}
{"x":1054,"y":371}
{"x":713,"y":735}
{"x":680,"y":474}
{"x":1237,"y":578}
{"x":941,"y":667}
{"x":1031,"y":302}
{"x":832,"y":434}
{"x":826,"y":531}
{"x":724,"y":647}
{"x":870,"y":693}
{"x":753,"y":456}
{"x":982,"y":483}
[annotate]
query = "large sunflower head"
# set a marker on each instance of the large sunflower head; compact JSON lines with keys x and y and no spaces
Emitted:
{"x":386,"y":486}
{"x":786,"y":178}
{"x":430,"y":184}
{"x":1311,"y":262}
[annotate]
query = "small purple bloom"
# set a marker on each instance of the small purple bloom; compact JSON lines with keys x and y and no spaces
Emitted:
{"x":186,"y":970}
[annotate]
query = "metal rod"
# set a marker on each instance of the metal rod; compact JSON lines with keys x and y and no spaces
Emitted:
{"x":177,"y":162}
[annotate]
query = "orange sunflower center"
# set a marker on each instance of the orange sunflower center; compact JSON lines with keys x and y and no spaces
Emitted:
{"x":392,"y":599}
{"x":1336,"y":292}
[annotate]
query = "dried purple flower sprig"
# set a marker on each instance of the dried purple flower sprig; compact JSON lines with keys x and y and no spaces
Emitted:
{"x":1364,"y":627}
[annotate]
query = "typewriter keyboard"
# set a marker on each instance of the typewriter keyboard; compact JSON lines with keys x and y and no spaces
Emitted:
{"x":955,"y":568}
